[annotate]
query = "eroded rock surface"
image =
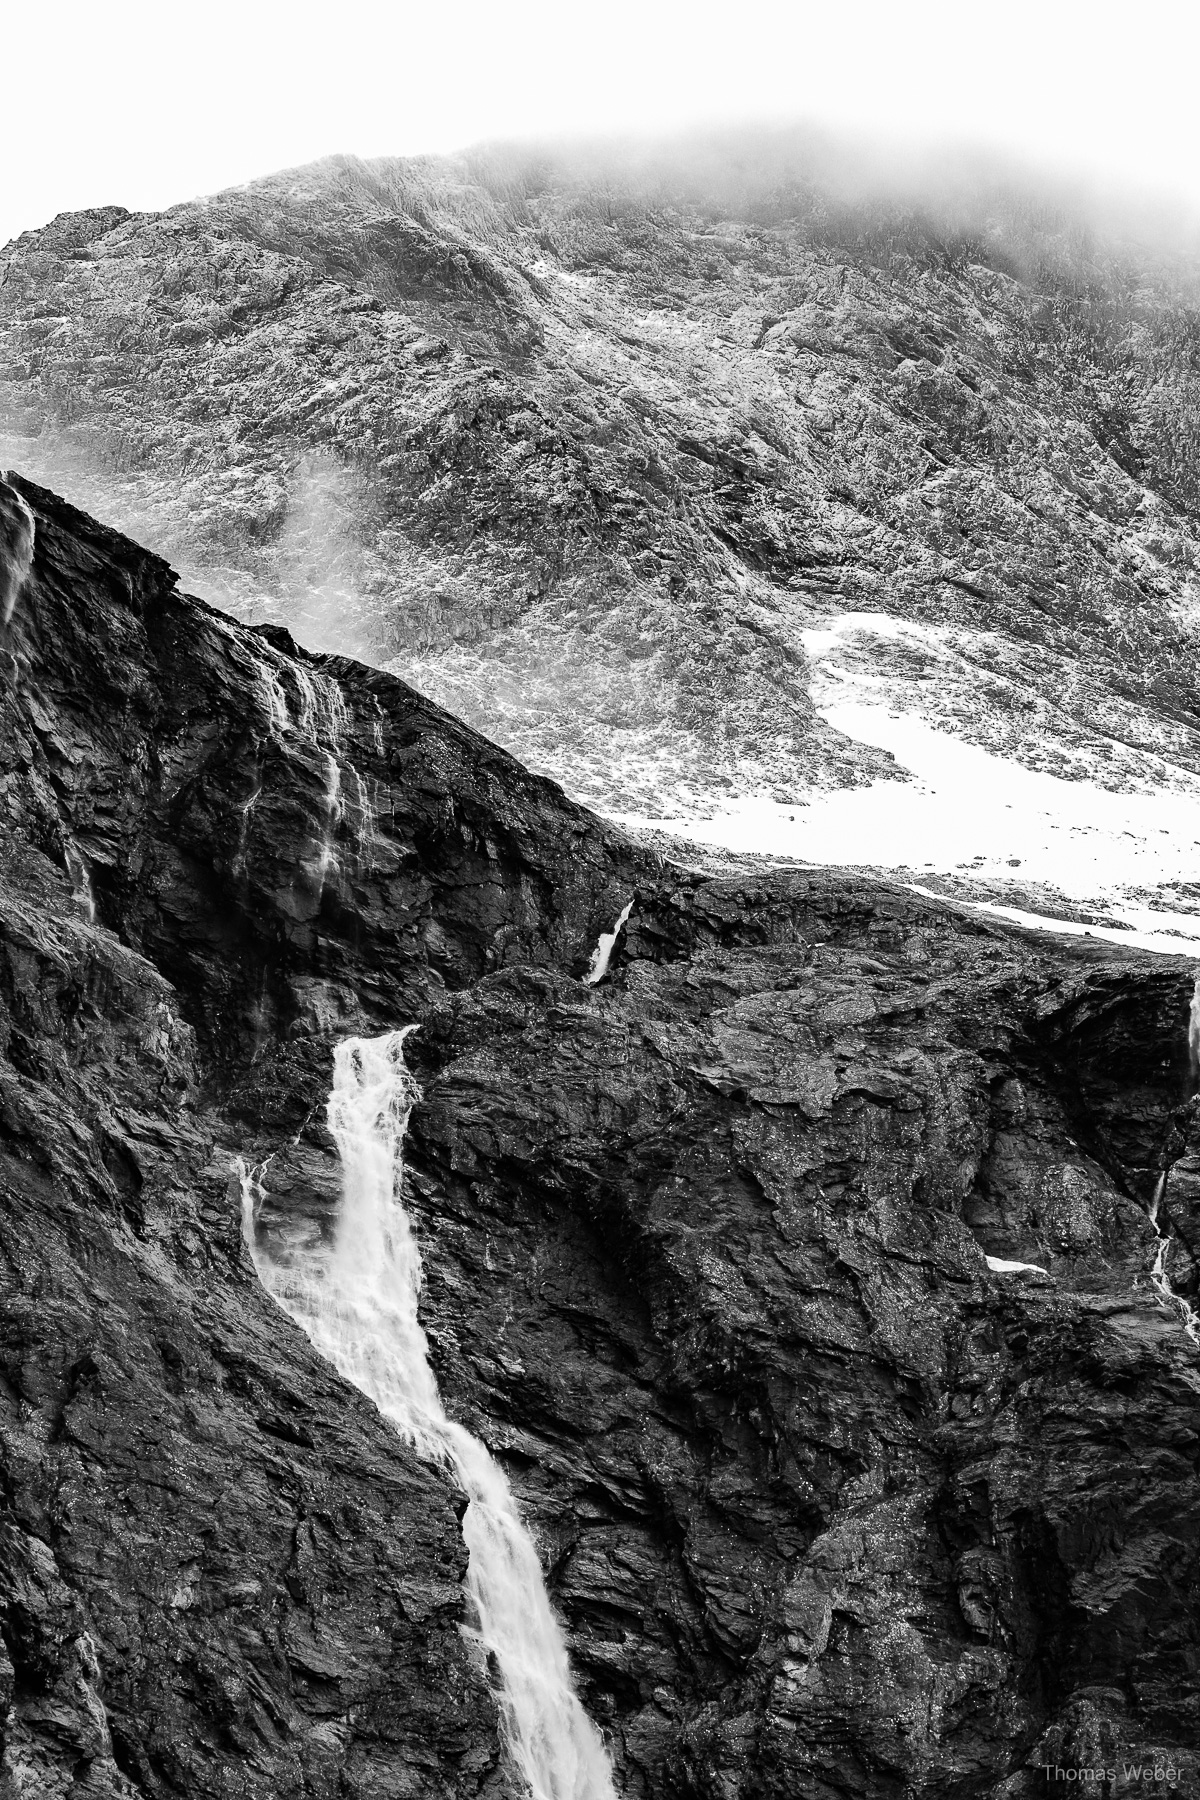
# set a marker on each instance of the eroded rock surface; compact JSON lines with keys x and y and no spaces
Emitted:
{"x":590,"y":448}
{"x":828,"y":1506}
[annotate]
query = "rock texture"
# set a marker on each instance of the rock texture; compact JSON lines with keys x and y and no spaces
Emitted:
{"x":220,"y":1573}
{"x":587,"y":446}
{"x":828,"y":1506}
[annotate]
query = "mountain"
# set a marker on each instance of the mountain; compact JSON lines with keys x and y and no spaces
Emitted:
{"x":727,"y":1261}
{"x":815,"y":510}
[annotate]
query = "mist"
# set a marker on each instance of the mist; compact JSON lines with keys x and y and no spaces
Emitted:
{"x":254,"y":91}
{"x":302,"y":528}
{"x":575,"y":435}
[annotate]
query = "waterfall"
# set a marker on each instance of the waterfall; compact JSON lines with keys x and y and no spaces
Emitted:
{"x":274,"y":700}
{"x":308,"y":698}
{"x":324,"y":715}
{"x":327,"y":861}
{"x":81,"y":881}
{"x":319,"y":720}
{"x":16,"y":549}
{"x":357,"y":1300}
{"x":244,"y":811}
{"x":1160,"y":1279}
{"x":604,"y":948}
{"x":364,"y":821}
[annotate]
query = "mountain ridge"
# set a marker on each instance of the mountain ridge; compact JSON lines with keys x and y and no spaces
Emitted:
{"x":740,"y":501}
{"x":587,"y":456}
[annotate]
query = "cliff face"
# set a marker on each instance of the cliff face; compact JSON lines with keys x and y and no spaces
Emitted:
{"x":827,"y":1506}
{"x":215,"y":1557}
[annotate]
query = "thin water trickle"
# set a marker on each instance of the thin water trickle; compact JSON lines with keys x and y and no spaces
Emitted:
{"x":81,"y":883}
{"x":319,"y":718}
{"x":274,"y":701}
{"x":308,"y":699}
{"x":335,"y":809}
{"x":323,"y":714}
{"x":364,"y":820}
{"x":1160,"y":1279}
{"x":357,"y":1300}
{"x":16,"y":550}
{"x":602,"y":954}
{"x":247,"y":807}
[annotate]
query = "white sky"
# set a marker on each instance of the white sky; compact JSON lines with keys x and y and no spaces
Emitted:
{"x":147,"y":104}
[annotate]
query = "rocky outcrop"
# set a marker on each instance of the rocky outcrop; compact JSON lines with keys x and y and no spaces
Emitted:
{"x":827,"y":1504}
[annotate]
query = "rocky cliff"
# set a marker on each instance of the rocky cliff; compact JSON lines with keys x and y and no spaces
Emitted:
{"x":828,"y":1505}
{"x":681,"y":477}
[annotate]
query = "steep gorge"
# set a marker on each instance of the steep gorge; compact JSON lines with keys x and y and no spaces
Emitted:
{"x":826,"y":1506}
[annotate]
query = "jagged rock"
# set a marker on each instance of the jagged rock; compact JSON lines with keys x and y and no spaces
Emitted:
{"x":587,"y":450}
{"x":827,"y":1505}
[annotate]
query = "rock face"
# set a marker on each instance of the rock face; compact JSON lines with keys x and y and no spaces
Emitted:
{"x":214,"y":1555}
{"x":827,"y":1505}
{"x":587,"y":450}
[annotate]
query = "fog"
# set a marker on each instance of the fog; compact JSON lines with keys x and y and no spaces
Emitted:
{"x":361,"y":506}
{"x":142,"y":106}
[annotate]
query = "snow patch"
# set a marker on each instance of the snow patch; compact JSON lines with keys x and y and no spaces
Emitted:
{"x":971,"y":812}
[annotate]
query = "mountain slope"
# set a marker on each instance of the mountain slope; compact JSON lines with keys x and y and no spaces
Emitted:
{"x":699,"y":492}
{"x":825,"y":1498}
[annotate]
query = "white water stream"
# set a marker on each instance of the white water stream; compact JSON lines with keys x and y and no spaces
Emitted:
{"x":357,"y":1301}
{"x":1160,"y":1278}
{"x":319,"y":721}
{"x":606,"y":944}
{"x":81,"y":881}
{"x":16,"y":551}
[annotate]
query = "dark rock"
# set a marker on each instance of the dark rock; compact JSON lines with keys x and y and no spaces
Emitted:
{"x":826,"y":1506}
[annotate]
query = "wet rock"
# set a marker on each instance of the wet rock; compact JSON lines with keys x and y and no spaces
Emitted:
{"x":826,"y":1504}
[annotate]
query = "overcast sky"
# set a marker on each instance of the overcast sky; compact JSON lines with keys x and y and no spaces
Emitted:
{"x":148,"y":104}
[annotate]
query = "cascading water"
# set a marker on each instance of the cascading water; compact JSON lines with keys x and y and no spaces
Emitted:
{"x":17,"y":535}
{"x":364,"y":820}
{"x":308,"y":699}
{"x":602,"y":954}
{"x":81,"y":882}
{"x":274,"y":700}
{"x":324,"y":715}
{"x":1160,"y":1279}
{"x":327,"y":861}
{"x":357,"y":1301}
{"x":245,"y":810}
{"x":320,"y":719}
